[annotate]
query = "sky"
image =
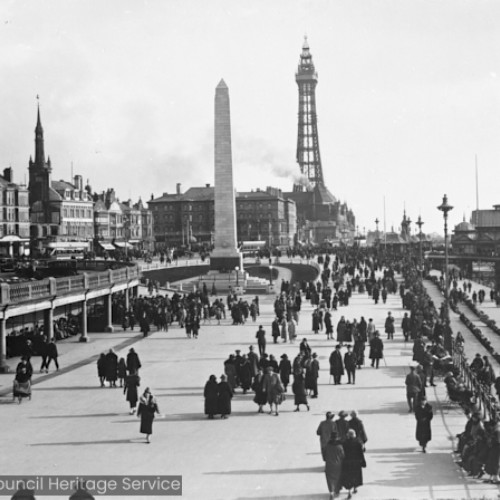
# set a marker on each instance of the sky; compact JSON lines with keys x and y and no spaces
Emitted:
{"x":408,"y":96}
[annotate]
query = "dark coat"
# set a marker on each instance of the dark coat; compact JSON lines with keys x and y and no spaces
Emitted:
{"x":285,"y":369}
{"x":354,"y":461}
{"x":111,"y":366}
{"x":245,"y":375}
{"x":147,"y":413}
{"x":211,"y":394}
{"x":350,"y":361}
{"x":133,"y":362}
{"x":132,"y":382}
{"x":424,"y":416}
{"x":376,"y":348}
{"x":336,"y":363}
{"x":334,"y":457}
{"x":224,"y":398}
{"x":101,"y":366}
{"x":299,"y":390}
{"x":258,"y":387}
{"x":357,"y":426}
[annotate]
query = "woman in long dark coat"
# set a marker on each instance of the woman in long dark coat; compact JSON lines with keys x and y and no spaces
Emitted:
{"x":224,"y":397}
{"x":334,"y":458}
{"x":245,"y":374}
{"x":260,"y":397}
{"x":147,"y":410}
{"x":211,"y":394}
{"x":354,"y":461}
{"x":101,"y":368}
{"x":423,"y":414}
{"x":132,"y":382}
{"x":111,"y":368}
{"x":299,"y":390}
{"x":285,"y":369}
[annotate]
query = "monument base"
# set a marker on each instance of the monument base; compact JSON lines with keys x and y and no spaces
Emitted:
{"x":226,"y":264}
{"x":223,"y":282}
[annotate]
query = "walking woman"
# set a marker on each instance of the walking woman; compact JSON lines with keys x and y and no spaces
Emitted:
{"x":423,"y":414}
{"x":273,"y":388}
{"x":224,"y":397}
{"x":299,"y":390}
{"x":260,"y":397}
{"x":211,"y":394}
{"x":334,"y":458}
{"x":132,"y":382}
{"x":147,"y":410}
{"x":101,"y":368}
{"x":354,"y":461}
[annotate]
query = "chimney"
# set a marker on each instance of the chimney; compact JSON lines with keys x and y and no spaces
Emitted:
{"x":178,"y":189}
{"x":7,"y":173}
{"x":207,"y":185}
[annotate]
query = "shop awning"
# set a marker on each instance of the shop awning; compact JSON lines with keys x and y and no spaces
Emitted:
{"x":122,"y":244}
{"x":107,"y":246}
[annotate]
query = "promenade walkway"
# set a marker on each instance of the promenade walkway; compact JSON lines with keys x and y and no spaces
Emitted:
{"x":73,"y":426}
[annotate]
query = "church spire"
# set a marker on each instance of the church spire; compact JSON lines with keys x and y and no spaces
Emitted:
{"x":39,"y":146}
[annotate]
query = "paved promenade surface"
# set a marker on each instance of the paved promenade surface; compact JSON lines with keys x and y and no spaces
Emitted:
{"x":73,"y":426}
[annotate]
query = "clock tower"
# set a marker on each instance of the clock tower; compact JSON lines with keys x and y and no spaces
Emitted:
{"x":39,"y":170}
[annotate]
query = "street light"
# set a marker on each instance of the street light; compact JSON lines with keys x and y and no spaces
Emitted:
{"x":237,"y":278}
{"x":270,"y":275}
{"x":445,"y":208}
{"x":420,"y":223}
{"x":378,"y":236}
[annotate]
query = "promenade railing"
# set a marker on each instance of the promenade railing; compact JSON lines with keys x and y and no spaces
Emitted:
{"x":26,"y":291}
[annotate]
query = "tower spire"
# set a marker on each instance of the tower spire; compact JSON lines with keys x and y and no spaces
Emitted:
{"x":39,"y":143}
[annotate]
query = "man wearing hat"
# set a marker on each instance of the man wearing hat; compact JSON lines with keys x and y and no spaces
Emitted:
{"x":312,"y":375}
{"x":261,"y":340}
{"x":350,"y":363}
{"x":336,"y":365}
{"x":285,"y":369}
{"x":413,"y":388}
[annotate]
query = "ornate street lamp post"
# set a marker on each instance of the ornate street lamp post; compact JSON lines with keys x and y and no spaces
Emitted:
{"x":378,"y":235}
{"x":420,"y":223}
{"x":445,"y":208}
{"x":236,"y":269}
{"x":270,"y":275}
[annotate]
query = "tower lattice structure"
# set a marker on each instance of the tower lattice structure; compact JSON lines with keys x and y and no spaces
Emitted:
{"x":308,"y":156}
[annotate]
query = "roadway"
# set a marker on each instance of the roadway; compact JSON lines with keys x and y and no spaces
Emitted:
{"x":73,"y":426}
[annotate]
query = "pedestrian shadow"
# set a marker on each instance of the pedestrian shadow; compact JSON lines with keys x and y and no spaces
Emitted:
{"x":416,"y":470}
{"x":72,"y":388}
{"x":85,"y":443}
{"x":392,"y":451}
{"x":358,"y":387}
{"x":86,"y":415}
{"x":261,"y":472}
{"x":288,"y":497}
{"x":161,"y":395}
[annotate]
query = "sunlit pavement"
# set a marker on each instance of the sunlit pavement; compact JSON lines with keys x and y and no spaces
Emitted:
{"x":73,"y":426}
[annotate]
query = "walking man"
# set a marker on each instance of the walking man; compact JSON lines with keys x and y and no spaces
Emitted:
{"x":52,"y":354}
{"x":413,"y":388}
{"x":261,"y":340}
{"x":350,"y":363}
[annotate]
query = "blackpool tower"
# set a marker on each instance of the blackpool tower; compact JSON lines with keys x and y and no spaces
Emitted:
{"x":308,"y":156}
{"x":320,"y":216}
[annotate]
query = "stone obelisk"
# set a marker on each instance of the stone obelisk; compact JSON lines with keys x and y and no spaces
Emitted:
{"x":225,"y":257}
